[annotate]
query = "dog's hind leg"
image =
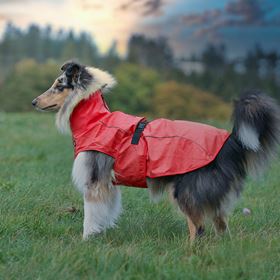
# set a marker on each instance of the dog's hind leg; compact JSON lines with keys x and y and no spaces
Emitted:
{"x":220,"y":223}
{"x":220,"y":218}
{"x":189,"y":204}
{"x":195,"y":225}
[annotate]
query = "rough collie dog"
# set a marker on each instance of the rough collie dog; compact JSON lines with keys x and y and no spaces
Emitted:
{"x":203,"y":168}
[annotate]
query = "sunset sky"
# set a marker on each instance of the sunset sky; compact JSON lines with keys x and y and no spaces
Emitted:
{"x":188,"y":24}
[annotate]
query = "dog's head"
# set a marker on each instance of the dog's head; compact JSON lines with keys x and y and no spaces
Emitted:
{"x":74,"y":77}
{"x":77,"y":82}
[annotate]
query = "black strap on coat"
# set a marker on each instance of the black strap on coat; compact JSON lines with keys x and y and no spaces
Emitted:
{"x":138,"y":131}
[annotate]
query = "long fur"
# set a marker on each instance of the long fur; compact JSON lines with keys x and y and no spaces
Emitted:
{"x":92,"y":174}
{"x":90,"y":80}
{"x":208,"y":191}
{"x":213,"y":188}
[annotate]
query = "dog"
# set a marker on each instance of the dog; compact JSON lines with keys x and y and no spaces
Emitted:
{"x":210,"y":184}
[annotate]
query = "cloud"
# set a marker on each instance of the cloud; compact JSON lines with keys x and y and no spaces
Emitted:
{"x":203,"y":18}
{"x":90,"y":5}
{"x":13,"y":1}
{"x":249,"y":11}
{"x":145,"y":7}
{"x":235,"y":13}
{"x":3,"y":17}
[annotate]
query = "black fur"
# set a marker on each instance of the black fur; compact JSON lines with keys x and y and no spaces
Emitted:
{"x":207,"y":188}
{"x":100,"y":166}
{"x":77,"y":75}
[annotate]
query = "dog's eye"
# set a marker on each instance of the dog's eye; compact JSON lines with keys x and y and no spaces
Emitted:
{"x":60,"y":87}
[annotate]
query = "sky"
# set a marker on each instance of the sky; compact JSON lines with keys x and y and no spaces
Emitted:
{"x":188,"y":24}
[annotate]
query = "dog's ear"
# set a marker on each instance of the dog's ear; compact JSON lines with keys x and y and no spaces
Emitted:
{"x":72,"y":70}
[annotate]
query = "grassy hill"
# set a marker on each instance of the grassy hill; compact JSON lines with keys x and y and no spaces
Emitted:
{"x":41,"y":237}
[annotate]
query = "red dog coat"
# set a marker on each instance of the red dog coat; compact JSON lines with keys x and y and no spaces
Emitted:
{"x":165,"y":147}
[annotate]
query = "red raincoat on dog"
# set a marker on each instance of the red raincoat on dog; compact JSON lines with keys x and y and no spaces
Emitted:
{"x":165,"y":147}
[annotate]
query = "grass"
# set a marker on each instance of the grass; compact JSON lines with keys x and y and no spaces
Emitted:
{"x":41,"y":239}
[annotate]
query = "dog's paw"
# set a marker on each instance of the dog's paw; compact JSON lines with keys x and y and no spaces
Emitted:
{"x":90,"y":232}
{"x":86,"y":236}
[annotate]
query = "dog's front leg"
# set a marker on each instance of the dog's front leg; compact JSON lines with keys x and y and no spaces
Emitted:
{"x":94,"y":211}
{"x":102,"y":200}
{"x":102,"y":206}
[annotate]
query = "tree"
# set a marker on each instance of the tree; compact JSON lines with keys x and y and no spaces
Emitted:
{"x":10,"y":48}
{"x":214,"y":58}
{"x":42,"y":44}
{"x":272,"y":60}
{"x":25,"y":82}
{"x":86,"y":49}
{"x":33,"y":43}
{"x":111,"y":59}
{"x":135,"y":89}
{"x":153,"y":53}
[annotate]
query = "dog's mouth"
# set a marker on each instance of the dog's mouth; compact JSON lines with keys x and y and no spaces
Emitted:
{"x":48,"y":108}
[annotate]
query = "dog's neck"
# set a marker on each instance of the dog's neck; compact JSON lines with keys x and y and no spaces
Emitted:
{"x":87,"y":113}
{"x":101,"y":80}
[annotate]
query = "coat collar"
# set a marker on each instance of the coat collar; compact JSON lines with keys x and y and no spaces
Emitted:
{"x":87,"y":113}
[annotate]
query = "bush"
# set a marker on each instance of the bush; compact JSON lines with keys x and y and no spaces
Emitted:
{"x":26,"y":81}
{"x":140,"y":91}
{"x":135,"y":88}
{"x":182,"y":101}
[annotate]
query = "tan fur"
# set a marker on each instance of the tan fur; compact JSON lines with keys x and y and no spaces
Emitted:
{"x":192,"y":229}
{"x":99,"y":193}
{"x":52,"y":97}
{"x":220,"y":224}
{"x":194,"y":223}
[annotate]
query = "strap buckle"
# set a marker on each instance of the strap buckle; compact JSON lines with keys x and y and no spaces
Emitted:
{"x":138,"y":131}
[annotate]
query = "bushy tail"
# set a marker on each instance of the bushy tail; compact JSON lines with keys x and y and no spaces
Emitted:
{"x":256,"y":120}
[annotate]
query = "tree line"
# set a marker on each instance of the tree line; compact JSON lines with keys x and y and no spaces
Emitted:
{"x":151,"y":79}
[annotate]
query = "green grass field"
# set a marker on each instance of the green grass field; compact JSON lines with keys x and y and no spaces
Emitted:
{"x":40,"y":239}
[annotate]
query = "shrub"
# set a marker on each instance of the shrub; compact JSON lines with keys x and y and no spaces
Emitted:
{"x":182,"y":101}
{"x":26,"y":81}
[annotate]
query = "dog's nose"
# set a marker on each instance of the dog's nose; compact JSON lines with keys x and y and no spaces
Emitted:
{"x":34,"y":102}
